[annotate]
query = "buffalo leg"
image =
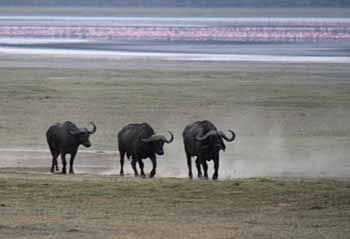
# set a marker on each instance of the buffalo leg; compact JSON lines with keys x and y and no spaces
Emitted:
{"x":216,"y":167}
{"x":122,"y":155}
{"x":64,"y":163}
{"x":133,"y":165}
{"x":205,"y":169}
{"x":154,"y":166}
{"x":189,"y":165}
{"x":54,"y":161}
{"x":71,"y":162}
{"x":141,"y":164}
{"x":198,"y":165}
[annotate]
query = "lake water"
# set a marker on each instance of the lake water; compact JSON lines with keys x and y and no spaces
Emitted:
{"x":212,"y":39}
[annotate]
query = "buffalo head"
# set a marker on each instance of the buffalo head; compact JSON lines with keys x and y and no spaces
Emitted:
{"x":82,"y":135}
{"x":157,"y":142}
{"x":213,"y":140}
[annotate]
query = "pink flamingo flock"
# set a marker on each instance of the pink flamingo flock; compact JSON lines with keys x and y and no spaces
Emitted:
{"x":290,"y":30}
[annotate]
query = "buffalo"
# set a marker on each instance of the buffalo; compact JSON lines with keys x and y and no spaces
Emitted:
{"x":139,"y":141}
{"x":65,"y":139}
{"x":203,"y":140}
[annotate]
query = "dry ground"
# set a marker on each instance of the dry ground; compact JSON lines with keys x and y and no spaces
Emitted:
{"x":37,"y":205}
{"x":289,"y":120}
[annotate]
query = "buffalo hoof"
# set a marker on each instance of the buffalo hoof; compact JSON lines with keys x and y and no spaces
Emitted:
{"x":52,"y":170}
{"x":190,"y":176}
{"x":143,"y":176}
{"x":215,"y":177}
{"x":121,"y":174}
{"x":152,"y":174}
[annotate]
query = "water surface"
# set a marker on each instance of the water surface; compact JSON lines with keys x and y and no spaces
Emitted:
{"x":188,"y":38}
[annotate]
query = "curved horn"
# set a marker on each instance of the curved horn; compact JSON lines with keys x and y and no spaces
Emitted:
{"x":151,"y":138}
{"x":157,"y":137}
{"x":226,"y":138}
{"x":168,"y":141}
{"x":93,"y":129}
{"x":74,"y":131}
{"x":205,"y":136}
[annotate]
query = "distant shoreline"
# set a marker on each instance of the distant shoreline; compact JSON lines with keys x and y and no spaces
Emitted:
{"x":179,"y":12}
{"x":118,"y":55}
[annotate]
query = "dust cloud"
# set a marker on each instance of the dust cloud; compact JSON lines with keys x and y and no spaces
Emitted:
{"x":263,"y":147}
{"x":267,"y":145}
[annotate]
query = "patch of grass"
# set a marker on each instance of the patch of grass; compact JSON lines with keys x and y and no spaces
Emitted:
{"x":35,"y":227}
{"x":167,"y":98}
{"x":171,"y":207}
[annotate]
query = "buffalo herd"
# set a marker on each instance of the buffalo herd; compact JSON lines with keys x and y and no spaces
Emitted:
{"x":139,"y":141}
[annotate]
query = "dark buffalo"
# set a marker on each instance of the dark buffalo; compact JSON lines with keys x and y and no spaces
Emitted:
{"x":203,"y":140}
{"x":139,"y":141}
{"x":65,"y":139}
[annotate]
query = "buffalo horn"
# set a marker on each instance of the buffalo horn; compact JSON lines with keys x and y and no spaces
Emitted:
{"x":205,"y":136}
{"x":226,"y":138}
{"x":93,"y":129}
{"x":74,"y":131}
{"x":157,"y":137}
{"x":168,"y":141}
